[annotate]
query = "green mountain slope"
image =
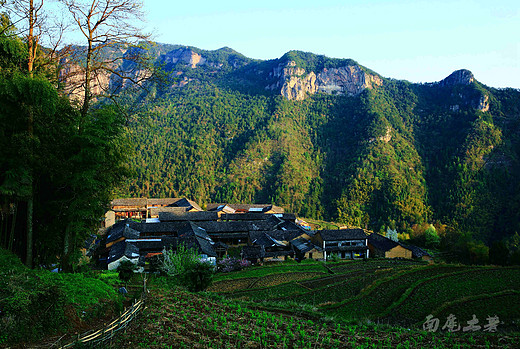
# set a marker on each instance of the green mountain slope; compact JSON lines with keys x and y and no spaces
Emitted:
{"x":328,"y":138}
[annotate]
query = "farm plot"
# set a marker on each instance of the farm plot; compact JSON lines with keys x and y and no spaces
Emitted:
{"x":341,"y":291}
{"x":350,"y":266}
{"x":178,"y":319}
{"x":260,"y":271}
{"x":384,"y":292}
{"x":270,"y":293}
{"x":232,"y":285}
{"x":425,"y":297}
{"x":500,"y":304}
{"x":277,"y":279}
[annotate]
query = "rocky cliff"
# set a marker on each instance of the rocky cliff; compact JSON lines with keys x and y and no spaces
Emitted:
{"x":184,"y":55}
{"x":464,"y":77}
{"x":295,"y":83}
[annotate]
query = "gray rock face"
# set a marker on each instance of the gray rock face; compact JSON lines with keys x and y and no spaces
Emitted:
{"x":350,"y":80}
{"x":458,"y":77}
{"x":184,"y":55}
{"x":295,"y":83}
{"x":465,"y":77}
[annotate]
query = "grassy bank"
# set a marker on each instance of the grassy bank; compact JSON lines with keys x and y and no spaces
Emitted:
{"x":37,"y":303}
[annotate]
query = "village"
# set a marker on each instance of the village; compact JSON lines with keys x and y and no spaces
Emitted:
{"x":140,"y":229}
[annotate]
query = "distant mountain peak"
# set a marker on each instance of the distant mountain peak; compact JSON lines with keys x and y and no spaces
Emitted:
{"x":458,"y":77}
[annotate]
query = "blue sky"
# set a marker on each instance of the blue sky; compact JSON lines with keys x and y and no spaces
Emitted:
{"x":414,"y":40}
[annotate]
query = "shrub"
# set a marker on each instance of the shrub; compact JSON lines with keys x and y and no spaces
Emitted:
{"x":185,"y":266}
{"x":126,"y":270}
{"x":199,"y":277}
{"x":229,"y":264}
{"x":177,"y":262}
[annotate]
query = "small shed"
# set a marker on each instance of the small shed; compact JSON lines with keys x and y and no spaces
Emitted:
{"x":381,"y":246}
{"x":305,"y":249}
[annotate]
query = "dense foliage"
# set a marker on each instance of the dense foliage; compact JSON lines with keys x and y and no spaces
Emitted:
{"x":57,"y":166}
{"x":187,"y":269}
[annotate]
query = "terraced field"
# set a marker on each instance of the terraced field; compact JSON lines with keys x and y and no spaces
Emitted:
{"x":385,"y":291}
{"x":356,"y":304}
{"x":178,"y":319}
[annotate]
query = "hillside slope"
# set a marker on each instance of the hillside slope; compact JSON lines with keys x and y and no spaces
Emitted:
{"x":328,"y":138}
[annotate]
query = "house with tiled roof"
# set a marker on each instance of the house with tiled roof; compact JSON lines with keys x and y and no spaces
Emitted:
{"x":383,"y":247}
{"x":344,"y":243}
{"x":304,"y":249}
{"x":244,"y":208}
{"x":275,"y":250}
{"x":142,"y":208}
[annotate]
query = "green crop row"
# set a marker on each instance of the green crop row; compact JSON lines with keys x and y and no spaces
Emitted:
{"x":178,"y":319}
{"x":426,"y":296}
{"x":380,"y":295}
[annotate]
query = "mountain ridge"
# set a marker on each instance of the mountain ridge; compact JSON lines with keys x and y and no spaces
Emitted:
{"x":329,"y":138}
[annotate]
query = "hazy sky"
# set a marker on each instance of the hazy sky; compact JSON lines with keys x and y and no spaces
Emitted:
{"x":415,"y":40}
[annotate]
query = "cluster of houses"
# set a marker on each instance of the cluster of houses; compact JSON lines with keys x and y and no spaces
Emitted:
{"x":139,"y":229}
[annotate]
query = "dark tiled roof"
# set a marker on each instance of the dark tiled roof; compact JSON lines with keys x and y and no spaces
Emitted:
{"x":269,"y":224}
{"x":286,"y":216}
{"x":342,"y":234}
{"x":417,"y":252}
{"x":121,"y":249}
{"x":224,"y":236}
{"x":164,"y":228}
{"x":121,"y":229}
{"x":262,"y":239}
{"x":162,"y":201}
{"x":287,"y":225}
{"x":157,"y":210}
{"x":188,"y":216}
{"x":244,"y":216}
{"x":224,"y":227}
{"x":253,"y":252}
{"x":141,"y":202}
{"x":247,"y":207}
{"x":155,"y":244}
{"x":214,"y":206}
{"x":284,"y":235}
{"x":303,"y":245}
{"x":187,"y":203}
{"x":381,"y":243}
{"x":220,"y":208}
{"x":199,"y":239}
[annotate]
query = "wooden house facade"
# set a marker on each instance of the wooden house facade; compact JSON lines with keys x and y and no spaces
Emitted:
{"x":345,"y":243}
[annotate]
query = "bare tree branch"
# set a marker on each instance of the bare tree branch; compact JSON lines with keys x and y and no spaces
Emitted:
{"x":110,"y":30}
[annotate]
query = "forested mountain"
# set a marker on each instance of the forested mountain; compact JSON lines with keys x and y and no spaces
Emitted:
{"x":328,"y":138}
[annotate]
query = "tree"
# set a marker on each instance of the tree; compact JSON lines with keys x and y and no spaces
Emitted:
{"x":28,"y":17}
{"x":177,"y":262}
{"x":431,"y":237}
{"x":391,"y":234}
{"x":126,"y":270}
{"x":105,"y":25}
{"x":199,"y":277}
{"x":185,"y":266}
{"x":498,"y":253}
{"x":29,"y":11}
